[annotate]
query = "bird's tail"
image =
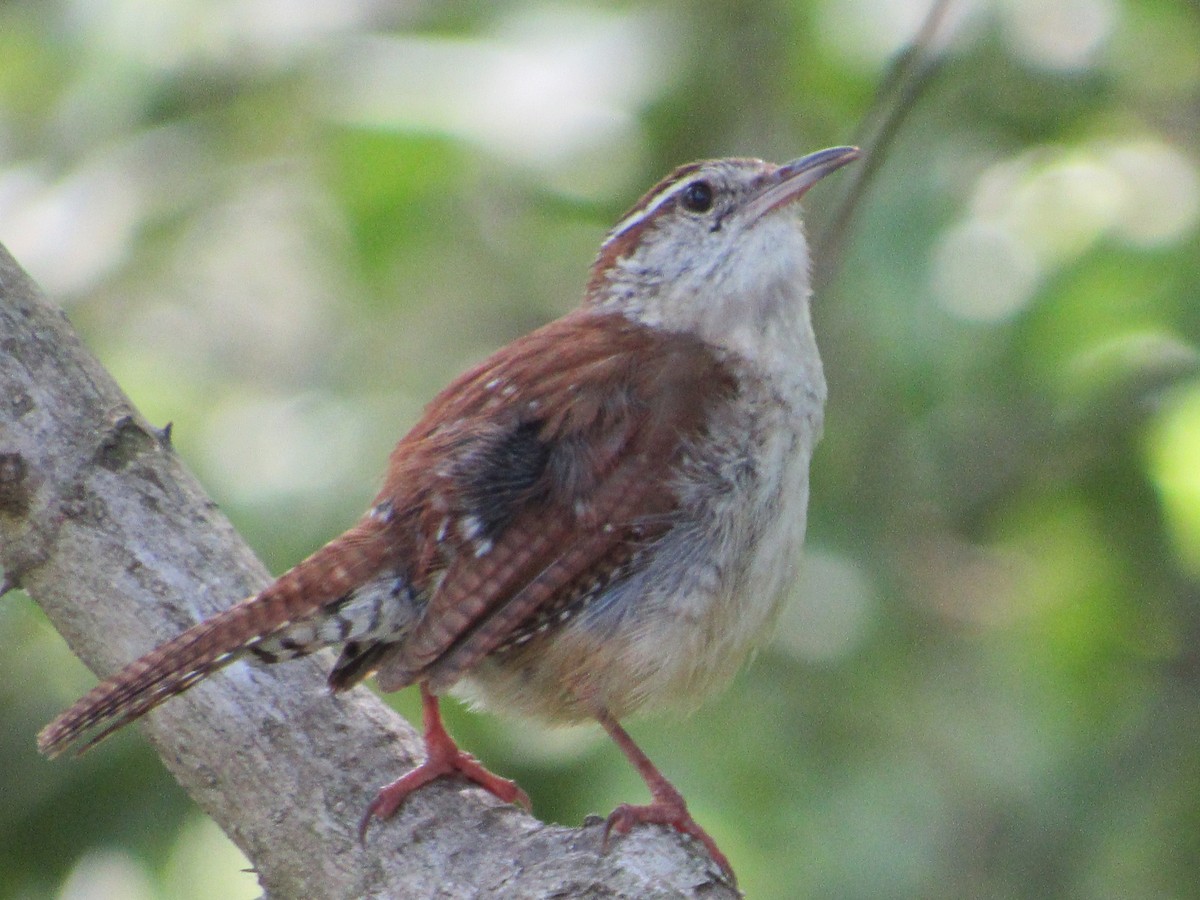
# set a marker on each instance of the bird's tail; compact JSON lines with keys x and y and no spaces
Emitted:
{"x":170,"y":669}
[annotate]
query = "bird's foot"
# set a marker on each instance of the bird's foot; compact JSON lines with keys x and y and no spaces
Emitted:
{"x":667,"y":809}
{"x":442,"y":757}
{"x":391,"y":797}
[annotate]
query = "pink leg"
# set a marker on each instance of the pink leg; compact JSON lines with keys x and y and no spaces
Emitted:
{"x":668,"y":807}
{"x":442,"y":757}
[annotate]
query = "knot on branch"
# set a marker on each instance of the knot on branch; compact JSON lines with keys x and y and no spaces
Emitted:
{"x":125,"y":441}
{"x":15,"y":489}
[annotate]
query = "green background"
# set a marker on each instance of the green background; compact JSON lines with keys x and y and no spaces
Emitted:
{"x":284,"y":226}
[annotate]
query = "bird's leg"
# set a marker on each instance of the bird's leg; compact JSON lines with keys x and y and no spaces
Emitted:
{"x":442,"y":757}
{"x":668,"y":808}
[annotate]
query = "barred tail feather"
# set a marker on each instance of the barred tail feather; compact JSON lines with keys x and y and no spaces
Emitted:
{"x":145,"y":683}
{"x":172,"y":668}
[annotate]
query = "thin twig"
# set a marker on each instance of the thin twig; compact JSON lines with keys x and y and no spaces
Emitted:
{"x":907,"y":78}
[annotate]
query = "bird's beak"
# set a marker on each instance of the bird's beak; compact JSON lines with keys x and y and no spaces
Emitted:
{"x":789,"y":182}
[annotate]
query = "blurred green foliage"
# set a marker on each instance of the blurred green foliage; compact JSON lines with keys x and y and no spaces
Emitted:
{"x":283,"y":228}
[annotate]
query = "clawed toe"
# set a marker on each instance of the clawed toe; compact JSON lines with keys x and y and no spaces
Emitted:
{"x":442,"y":758}
{"x":671,"y":813}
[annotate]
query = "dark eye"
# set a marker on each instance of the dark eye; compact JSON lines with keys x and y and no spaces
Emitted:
{"x":698,"y":197}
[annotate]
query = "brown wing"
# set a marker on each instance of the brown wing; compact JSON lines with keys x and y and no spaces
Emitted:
{"x":539,"y":473}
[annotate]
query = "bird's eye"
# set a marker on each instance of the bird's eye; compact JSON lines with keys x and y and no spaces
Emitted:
{"x":698,"y":197}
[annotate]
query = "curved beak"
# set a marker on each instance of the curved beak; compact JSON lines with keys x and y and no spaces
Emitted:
{"x":790,"y":181}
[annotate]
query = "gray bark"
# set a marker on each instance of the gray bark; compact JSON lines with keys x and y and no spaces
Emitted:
{"x":104,"y":527}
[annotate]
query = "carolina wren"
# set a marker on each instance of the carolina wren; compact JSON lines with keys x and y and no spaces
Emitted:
{"x":601,"y":516}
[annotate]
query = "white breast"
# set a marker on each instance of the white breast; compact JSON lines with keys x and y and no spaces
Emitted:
{"x":716,"y":586}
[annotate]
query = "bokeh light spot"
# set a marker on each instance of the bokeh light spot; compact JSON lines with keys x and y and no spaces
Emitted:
{"x":982,"y":273}
{"x":1162,"y":195}
{"x":830,"y":611}
{"x":1059,"y":34}
{"x":1174,"y":449}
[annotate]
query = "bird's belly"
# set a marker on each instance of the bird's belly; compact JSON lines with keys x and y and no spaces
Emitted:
{"x":681,"y":626}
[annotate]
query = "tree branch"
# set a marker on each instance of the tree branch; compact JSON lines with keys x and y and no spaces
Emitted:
{"x":101,"y":523}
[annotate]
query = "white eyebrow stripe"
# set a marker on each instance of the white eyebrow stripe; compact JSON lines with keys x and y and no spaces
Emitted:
{"x":641,"y":215}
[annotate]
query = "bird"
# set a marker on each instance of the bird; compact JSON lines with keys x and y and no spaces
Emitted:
{"x":601,"y":517}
